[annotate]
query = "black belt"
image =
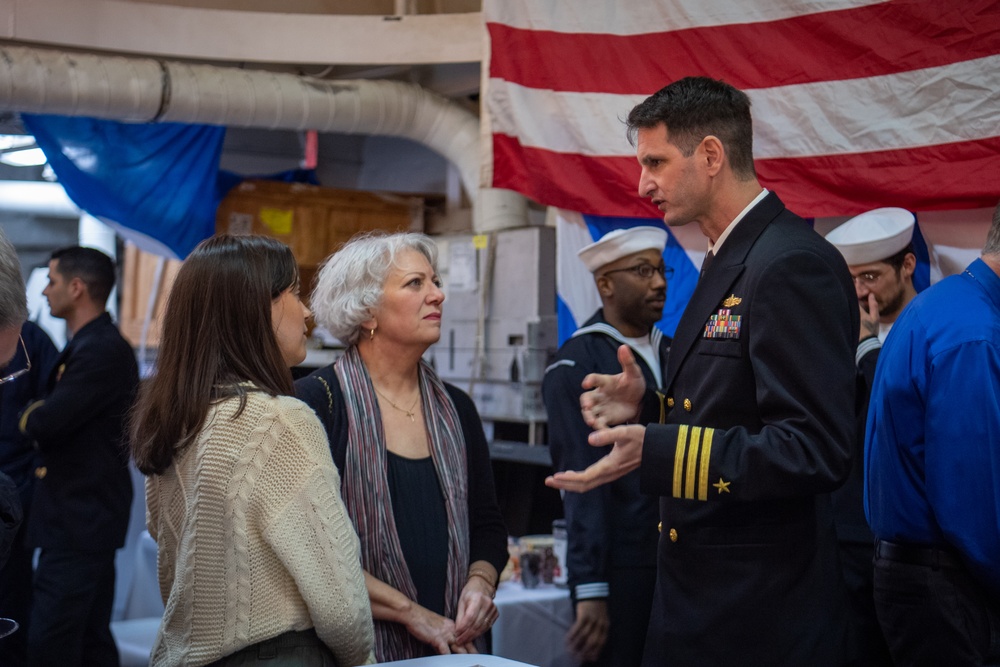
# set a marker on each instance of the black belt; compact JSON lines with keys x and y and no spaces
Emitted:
{"x":912,"y":555}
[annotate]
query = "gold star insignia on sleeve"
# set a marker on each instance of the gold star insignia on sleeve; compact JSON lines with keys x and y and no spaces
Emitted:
{"x":723,"y":487}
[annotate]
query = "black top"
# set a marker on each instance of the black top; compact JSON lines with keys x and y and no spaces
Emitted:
{"x":487,"y":533}
{"x":421,"y":525}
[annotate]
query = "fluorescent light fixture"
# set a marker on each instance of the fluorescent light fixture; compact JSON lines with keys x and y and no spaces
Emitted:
{"x":27,"y":157}
{"x":11,"y":141}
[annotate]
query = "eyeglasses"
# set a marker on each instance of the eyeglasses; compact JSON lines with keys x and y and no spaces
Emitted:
{"x":646,"y":271}
{"x":17,"y":374}
{"x":868,"y":278}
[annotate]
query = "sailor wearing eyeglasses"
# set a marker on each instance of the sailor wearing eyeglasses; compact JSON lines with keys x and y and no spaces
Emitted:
{"x":611,"y":530}
{"x":878,"y":248}
{"x":13,"y":313}
{"x":21,"y":381}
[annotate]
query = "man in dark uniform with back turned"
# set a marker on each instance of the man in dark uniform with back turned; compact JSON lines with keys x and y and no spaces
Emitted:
{"x":932,"y":471}
{"x":611,"y":545}
{"x":758,"y":406}
{"x":80,"y":511}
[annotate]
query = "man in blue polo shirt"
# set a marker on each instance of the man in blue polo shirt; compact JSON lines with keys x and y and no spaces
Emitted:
{"x":932,"y":462}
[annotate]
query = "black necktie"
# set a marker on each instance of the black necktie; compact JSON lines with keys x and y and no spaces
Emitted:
{"x":709,"y":256}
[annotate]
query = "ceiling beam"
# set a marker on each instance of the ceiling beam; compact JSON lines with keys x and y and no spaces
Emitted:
{"x":244,"y":36}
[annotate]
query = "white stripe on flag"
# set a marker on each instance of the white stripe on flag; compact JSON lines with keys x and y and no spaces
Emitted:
{"x":941,"y":105}
{"x":632,"y":17}
{"x":575,"y":283}
{"x":957,"y":102}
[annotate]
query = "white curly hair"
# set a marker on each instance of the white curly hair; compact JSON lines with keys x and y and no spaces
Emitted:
{"x":350,"y":283}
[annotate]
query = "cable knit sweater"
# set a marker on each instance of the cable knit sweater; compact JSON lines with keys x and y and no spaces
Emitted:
{"x":254,"y":540}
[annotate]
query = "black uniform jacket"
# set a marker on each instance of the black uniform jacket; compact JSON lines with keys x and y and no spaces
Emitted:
{"x":614,"y":525}
{"x":84,"y":492}
{"x":759,"y":424}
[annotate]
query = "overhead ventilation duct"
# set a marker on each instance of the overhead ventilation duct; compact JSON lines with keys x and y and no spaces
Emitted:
{"x":148,"y":90}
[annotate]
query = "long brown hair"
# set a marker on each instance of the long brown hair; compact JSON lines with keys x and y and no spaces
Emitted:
{"x":217,"y":333}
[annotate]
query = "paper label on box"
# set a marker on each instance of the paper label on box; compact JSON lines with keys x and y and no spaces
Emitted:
{"x":461,"y":266}
{"x":240,"y":223}
{"x":278,"y":220}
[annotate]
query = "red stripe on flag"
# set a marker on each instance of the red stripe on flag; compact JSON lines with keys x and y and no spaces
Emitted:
{"x":570,"y":180}
{"x":880,"y":39}
{"x":931,"y":178}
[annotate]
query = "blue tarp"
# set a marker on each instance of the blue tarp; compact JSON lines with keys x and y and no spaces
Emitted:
{"x":160,"y":181}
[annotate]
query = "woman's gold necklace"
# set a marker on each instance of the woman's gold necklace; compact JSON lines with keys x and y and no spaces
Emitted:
{"x":409,"y":413}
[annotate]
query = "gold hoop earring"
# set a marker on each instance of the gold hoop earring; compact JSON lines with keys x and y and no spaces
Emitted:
{"x":371,"y":336}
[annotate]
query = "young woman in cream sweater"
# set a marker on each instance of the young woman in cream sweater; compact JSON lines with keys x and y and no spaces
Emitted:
{"x":257,"y":557}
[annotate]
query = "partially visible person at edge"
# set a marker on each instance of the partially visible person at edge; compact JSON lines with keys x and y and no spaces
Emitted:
{"x":932,"y":471}
{"x":757,"y":414}
{"x":19,"y":459}
{"x":877,"y":246}
{"x":82,"y":499}
{"x":13,"y":313}
{"x":418,"y":483}
{"x":257,"y":560}
{"x":611,"y":530}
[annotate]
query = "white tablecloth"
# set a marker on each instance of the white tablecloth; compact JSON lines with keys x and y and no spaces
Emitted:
{"x":533,"y":624}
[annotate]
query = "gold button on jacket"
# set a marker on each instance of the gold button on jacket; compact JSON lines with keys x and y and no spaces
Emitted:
{"x":673,"y":534}
{"x":687,"y":404}
{"x":41,"y":472}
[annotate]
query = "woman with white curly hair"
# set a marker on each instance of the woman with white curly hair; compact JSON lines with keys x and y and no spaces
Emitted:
{"x":413,"y":458}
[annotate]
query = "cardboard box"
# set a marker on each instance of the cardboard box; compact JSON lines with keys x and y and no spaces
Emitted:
{"x":146,"y":282}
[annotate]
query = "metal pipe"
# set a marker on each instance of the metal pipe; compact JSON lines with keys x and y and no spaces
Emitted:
{"x":147,"y":90}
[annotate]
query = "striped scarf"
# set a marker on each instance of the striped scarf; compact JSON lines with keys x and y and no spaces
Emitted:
{"x":366,"y":492}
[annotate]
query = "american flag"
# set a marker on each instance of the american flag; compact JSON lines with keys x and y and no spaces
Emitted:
{"x":857,"y":103}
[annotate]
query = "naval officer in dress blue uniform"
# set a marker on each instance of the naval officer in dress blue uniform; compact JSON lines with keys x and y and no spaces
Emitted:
{"x":757,"y":404}
{"x":83,"y":493}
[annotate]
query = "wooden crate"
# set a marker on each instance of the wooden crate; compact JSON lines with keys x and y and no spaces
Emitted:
{"x":313,"y":220}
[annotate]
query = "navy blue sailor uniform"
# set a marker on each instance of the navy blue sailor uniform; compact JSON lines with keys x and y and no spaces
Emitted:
{"x":611,"y":541}
{"x":758,"y":422}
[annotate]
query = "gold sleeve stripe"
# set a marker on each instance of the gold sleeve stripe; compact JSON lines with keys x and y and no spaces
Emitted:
{"x":663,"y":410}
{"x":692,"y":462}
{"x":682,"y":435}
{"x":23,"y":424}
{"x":706,"y":456}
